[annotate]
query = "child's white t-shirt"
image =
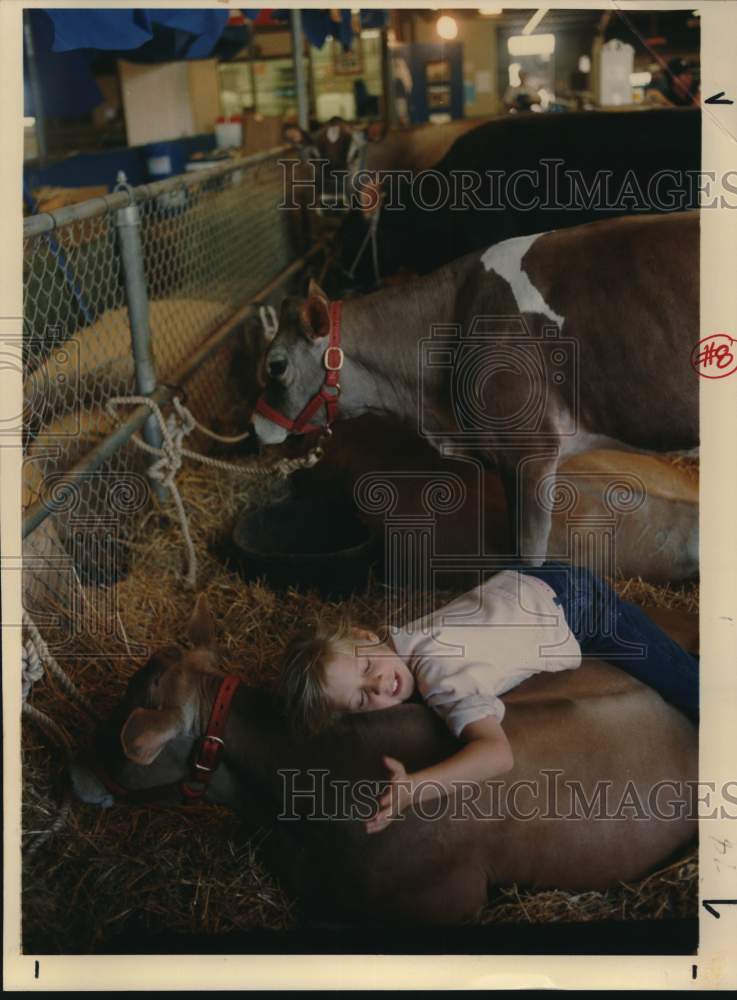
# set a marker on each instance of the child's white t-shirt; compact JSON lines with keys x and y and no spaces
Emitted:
{"x":484,"y":643}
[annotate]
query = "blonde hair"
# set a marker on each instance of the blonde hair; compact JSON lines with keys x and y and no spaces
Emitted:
{"x":302,"y":680}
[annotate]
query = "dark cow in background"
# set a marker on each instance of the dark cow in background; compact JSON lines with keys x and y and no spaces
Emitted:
{"x":595,"y":165}
{"x":374,"y":147}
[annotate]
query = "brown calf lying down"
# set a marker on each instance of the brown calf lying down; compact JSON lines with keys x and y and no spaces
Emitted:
{"x":573,"y":733}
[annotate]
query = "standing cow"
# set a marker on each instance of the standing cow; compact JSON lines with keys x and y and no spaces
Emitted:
{"x":524,"y":174}
{"x":346,"y":149}
{"x":542,"y":347}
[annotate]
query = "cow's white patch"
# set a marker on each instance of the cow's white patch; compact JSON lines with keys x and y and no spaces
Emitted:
{"x":267,"y":431}
{"x":506,"y":260}
{"x":576,"y":439}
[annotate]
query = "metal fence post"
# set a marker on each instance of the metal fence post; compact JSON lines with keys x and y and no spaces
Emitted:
{"x":128,"y":224}
{"x":303,"y":114}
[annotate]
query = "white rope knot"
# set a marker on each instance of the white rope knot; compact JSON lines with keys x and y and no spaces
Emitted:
{"x":177,"y":427}
{"x":32,"y":668}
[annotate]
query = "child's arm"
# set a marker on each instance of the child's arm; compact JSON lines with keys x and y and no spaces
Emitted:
{"x":487,"y":754}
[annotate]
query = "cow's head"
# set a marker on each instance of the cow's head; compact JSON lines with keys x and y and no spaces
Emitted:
{"x":149,"y":739}
{"x":294,"y":367}
{"x":343,"y":149}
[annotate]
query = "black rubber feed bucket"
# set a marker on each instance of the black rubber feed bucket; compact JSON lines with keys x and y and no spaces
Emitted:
{"x":309,"y":543}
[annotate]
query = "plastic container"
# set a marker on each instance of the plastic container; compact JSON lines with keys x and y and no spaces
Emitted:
{"x":164,"y":159}
{"x":229,"y":132}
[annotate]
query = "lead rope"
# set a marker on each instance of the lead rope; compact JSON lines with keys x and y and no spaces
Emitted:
{"x":372,"y":235}
{"x":173,"y":431}
{"x":35,"y":656}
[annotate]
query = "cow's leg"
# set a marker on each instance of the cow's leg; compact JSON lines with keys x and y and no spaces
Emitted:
{"x":528,"y":476}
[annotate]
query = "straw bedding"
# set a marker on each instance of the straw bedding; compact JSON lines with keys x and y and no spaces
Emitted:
{"x":199,"y":869}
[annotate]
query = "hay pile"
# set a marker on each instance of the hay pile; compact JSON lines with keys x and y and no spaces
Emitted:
{"x":199,"y":870}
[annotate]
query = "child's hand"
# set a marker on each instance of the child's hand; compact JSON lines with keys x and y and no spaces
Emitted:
{"x":394,"y":800}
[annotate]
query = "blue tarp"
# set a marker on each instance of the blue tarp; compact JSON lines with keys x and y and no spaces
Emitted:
{"x":130,"y":29}
{"x":123,"y":30}
{"x":319,"y":25}
{"x":68,"y":87}
{"x":68,"y":41}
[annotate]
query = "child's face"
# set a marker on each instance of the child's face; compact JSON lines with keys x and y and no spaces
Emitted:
{"x":365,"y":680}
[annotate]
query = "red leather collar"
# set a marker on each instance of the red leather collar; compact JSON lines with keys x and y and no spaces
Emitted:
{"x":328,"y":393}
{"x":206,"y":761}
{"x":212,"y":742}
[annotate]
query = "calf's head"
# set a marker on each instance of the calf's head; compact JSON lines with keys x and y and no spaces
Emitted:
{"x":149,"y":740}
{"x":331,"y":153}
{"x":295,"y":367}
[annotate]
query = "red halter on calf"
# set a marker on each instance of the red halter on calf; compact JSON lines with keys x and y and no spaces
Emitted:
{"x":333,"y":363}
{"x":208,"y":756}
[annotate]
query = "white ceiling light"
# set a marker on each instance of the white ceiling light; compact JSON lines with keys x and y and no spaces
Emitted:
{"x":447,"y":27}
{"x":531,"y":45}
{"x":490,"y":11}
{"x":534,"y":21}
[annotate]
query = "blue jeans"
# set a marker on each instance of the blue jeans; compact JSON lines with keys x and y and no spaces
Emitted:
{"x":621,"y":633}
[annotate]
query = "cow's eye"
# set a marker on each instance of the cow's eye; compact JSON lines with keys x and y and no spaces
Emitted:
{"x":277,"y":367}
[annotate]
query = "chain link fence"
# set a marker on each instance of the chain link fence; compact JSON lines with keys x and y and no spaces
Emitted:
{"x":178,"y":258}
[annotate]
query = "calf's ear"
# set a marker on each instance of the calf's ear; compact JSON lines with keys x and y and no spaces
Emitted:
{"x":314,"y":313}
{"x":201,"y":625}
{"x":147,"y":732}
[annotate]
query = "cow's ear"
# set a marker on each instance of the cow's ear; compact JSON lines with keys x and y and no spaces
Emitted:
{"x":201,"y":628}
{"x":314,"y":291}
{"x":375,"y":131}
{"x":147,"y":731}
{"x":314,"y":315}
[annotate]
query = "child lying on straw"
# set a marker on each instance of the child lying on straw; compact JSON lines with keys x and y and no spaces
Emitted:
{"x":462,"y":657}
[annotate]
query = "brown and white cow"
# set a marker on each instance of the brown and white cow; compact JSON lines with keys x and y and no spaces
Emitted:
{"x":602,"y":789}
{"x":539,"y":349}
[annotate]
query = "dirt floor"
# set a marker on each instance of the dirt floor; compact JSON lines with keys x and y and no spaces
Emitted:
{"x":199,"y":870}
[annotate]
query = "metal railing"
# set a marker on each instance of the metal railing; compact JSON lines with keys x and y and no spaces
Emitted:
{"x":132,"y":293}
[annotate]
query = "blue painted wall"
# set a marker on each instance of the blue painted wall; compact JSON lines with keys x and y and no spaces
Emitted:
{"x":417,"y":55}
{"x":87,"y":169}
